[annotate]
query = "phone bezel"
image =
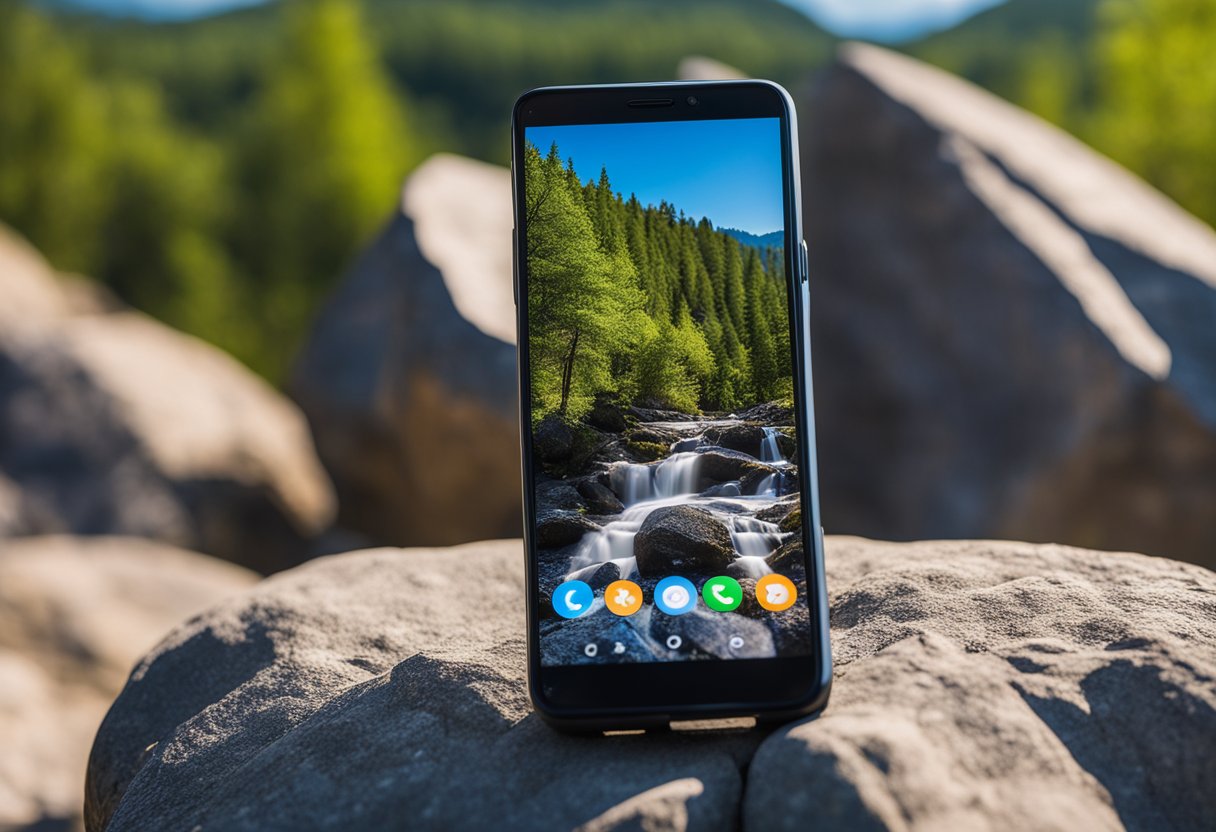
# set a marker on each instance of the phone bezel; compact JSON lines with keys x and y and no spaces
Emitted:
{"x":596,"y":697}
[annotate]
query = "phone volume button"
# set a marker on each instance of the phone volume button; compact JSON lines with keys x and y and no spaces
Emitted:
{"x":515,"y":264}
{"x":804,"y":262}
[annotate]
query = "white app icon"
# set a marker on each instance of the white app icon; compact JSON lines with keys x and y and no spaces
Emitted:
{"x":736,"y":642}
{"x":777,"y":594}
{"x":618,"y":648}
{"x":570,"y":603}
{"x":591,"y":650}
{"x":674,"y":642}
{"x":675,"y":597}
{"x":624,"y":598}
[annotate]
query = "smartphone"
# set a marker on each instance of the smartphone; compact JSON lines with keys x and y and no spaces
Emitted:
{"x":671,"y":521}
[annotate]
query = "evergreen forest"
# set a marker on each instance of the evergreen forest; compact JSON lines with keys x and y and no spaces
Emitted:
{"x":643,"y":304}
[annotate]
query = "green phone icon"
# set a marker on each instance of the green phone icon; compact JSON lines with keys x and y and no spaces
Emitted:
{"x":722,"y":593}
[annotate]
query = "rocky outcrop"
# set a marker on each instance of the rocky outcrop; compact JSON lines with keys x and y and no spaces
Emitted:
{"x":978,"y":685}
{"x":675,"y":540}
{"x":75,"y":615}
{"x":1012,"y":335}
{"x":408,"y":377}
{"x":115,"y":424}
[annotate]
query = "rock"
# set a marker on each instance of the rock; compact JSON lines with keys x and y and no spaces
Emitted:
{"x":561,"y":528}
{"x":726,"y":489}
{"x":1003,"y":685}
{"x":600,"y":498}
{"x":979,"y":684}
{"x":741,"y":437}
{"x":792,"y":522}
{"x":116,"y":424}
{"x":708,"y":634}
{"x":778,"y":511}
{"x":701,"y":68}
{"x":769,"y":413}
{"x":408,"y":377}
{"x":607,"y":415}
{"x":597,"y":575}
{"x":321,"y":700}
{"x":676,"y":538}
{"x":75,"y":615}
{"x":552,"y":439}
{"x":31,"y":290}
{"x":723,"y":465}
{"x":1013,"y":336}
{"x":557,"y":494}
{"x":650,"y":414}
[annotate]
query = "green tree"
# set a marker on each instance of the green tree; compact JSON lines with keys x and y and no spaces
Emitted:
{"x":584,"y":307}
{"x":322,"y":162}
{"x":759,"y":329}
{"x":674,"y":363}
{"x":53,"y":145}
{"x":1156,"y":97}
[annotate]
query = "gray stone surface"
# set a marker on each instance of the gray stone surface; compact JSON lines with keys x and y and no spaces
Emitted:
{"x":75,"y":615}
{"x":1012,"y":335}
{"x":979,"y":684}
{"x":682,"y":539}
{"x":111,"y":423}
{"x":408,"y":377}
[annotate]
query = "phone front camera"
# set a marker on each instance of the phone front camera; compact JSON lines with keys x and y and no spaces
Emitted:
{"x":692,"y":101}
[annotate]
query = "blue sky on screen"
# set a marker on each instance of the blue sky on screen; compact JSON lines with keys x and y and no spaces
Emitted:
{"x":726,"y":169}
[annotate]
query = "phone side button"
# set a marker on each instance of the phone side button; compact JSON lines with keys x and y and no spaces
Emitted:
{"x":515,"y":264}
{"x":804,"y":262}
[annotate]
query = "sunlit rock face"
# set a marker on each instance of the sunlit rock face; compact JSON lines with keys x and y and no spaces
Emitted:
{"x":112,"y":423}
{"x":979,"y":684}
{"x":1013,"y":336}
{"x":408,"y":377}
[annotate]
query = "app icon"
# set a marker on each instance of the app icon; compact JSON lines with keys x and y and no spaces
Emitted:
{"x":623,"y":597}
{"x":722,"y":593}
{"x":776,"y":592}
{"x":736,"y":642}
{"x":674,"y":642}
{"x":572,"y":599}
{"x":675,"y":595}
{"x":618,"y":648}
{"x":591,"y":650}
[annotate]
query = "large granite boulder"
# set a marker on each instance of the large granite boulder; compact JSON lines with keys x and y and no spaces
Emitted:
{"x":978,"y":685}
{"x":1013,"y":336}
{"x":111,"y":423}
{"x":75,"y":615}
{"x":408,"y":377}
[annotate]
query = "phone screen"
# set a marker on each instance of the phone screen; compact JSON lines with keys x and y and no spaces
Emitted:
{"x":659,"y":362}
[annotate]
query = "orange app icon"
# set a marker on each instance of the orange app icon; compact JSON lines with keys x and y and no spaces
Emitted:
{"x":776,"y":592}
{"x":623,"y":597}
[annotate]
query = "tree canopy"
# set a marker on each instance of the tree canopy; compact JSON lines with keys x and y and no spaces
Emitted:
{"x":644,"y":303}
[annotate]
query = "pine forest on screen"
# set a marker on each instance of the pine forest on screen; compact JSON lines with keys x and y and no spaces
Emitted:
{"x":643,"y":302}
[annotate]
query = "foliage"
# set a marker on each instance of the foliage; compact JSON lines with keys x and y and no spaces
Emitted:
{"x":643,"y":302}
{"x":320,"y":163}
{"x":1155,"y":108}
{"x":1133,"y":78}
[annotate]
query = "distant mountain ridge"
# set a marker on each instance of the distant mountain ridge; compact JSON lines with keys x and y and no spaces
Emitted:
{"x":760,"y":241}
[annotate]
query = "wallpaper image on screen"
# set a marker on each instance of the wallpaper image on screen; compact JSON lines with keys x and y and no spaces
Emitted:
{"x":668,"y":515}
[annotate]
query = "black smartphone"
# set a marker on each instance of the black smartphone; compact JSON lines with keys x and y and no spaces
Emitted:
{"x":671,"y":520}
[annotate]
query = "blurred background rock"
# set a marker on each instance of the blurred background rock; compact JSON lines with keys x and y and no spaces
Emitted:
{"x":294,"y":333}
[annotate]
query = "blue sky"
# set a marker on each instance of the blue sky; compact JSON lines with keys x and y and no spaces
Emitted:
{"x":884,"y":20}
{"x":726,"y":169}
{"x":890,"y":21}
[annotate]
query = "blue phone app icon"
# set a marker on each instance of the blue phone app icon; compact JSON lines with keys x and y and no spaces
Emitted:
{"x":675,"y":595}
{"x":572,"y":599}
